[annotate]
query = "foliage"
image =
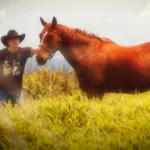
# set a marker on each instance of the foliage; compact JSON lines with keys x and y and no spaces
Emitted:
{"x":56,"y":115}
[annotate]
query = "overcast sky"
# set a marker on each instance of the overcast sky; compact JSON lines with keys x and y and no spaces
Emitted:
{"x":126,"y":22}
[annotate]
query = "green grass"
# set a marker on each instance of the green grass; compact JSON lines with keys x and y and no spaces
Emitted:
{"x":60,"y":117}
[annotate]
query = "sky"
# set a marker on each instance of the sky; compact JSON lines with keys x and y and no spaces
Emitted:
{"x":126,"y":22}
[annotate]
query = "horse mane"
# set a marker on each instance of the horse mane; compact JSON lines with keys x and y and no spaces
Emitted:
{"x":92,"y":35}
{"x":86,"y":34}
{"x":107,"y":40}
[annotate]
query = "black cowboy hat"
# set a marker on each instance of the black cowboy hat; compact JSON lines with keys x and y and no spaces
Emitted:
{"x":11,"y":34}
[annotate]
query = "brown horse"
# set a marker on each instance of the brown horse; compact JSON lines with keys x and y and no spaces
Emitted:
{"x":100,"y":64}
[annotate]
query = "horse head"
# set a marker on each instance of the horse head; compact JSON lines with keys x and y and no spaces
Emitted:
{"x":50,"y":41}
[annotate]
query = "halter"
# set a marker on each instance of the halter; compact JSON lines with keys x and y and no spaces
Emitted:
{"x":51,"y":51}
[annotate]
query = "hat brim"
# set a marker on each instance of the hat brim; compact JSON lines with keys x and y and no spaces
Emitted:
{"x":5,"y":38}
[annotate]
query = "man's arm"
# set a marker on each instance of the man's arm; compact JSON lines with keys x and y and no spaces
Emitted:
{"x":34,"y":50}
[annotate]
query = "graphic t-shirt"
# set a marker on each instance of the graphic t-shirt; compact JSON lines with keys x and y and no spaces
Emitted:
{"x":12,"y":68}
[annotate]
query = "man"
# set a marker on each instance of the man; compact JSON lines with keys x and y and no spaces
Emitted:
{"x":12,"y":62}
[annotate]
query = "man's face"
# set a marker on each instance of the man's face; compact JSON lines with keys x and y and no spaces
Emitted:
{"x":13,"y":42}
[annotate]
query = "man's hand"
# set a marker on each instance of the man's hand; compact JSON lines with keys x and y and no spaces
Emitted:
{"x":35,"y":50}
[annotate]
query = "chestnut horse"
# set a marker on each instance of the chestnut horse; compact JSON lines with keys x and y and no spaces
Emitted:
{"x":100,"y":64}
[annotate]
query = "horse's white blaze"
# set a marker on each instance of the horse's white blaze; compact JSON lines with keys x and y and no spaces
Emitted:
{"x":43,"y":37}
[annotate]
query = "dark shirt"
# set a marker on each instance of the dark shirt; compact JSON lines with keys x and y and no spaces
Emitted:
{"x":12,"y":68}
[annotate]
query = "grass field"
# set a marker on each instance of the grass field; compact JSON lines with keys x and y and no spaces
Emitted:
{"x":56,"y":115}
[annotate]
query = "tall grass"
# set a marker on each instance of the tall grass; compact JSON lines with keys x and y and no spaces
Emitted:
{"x":56,"y":115}
{"x":49,"y":82}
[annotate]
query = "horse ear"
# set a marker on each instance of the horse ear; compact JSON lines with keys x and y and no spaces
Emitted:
{"x":54,"y":22}
{"x":43,"y":22}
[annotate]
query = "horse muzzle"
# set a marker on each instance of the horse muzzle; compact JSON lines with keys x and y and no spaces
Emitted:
{"x":40,"y":60}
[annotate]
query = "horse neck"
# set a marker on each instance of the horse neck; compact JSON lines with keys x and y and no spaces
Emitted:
{"x":74,"y":45}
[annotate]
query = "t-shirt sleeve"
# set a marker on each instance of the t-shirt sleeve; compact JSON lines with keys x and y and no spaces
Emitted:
{"x":27,"y":52}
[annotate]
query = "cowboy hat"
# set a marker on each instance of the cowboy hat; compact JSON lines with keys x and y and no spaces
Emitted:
{"x":11,"y":34}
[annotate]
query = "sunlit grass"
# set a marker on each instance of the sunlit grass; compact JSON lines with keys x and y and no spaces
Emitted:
{"x":56,"y":116}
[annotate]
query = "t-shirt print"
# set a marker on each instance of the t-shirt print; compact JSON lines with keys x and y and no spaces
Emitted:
{"x":11,"y":66}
